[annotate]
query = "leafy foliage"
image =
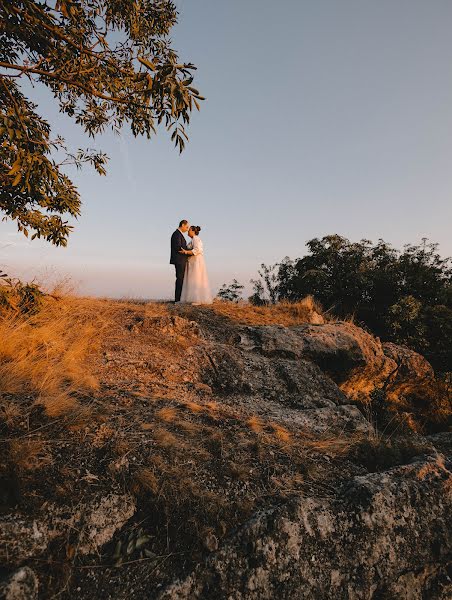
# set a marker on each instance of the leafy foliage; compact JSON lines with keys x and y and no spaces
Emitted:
{"x":24,"y":298}
{"x":231,"y":292}
{"x":266,"y":288}
{"x":405,"y":297}
{"x":108,"y":63}
{"x":134,"y":546}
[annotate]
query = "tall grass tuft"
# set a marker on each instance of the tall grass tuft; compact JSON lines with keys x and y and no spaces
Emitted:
{"x":284,"y":313}
{"x":44,"y":354}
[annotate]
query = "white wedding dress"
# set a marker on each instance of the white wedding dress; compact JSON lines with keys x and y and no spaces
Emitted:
{"x":196,"y":288}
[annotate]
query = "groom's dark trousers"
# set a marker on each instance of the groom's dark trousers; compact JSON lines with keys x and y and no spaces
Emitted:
{"x":178,"y":260}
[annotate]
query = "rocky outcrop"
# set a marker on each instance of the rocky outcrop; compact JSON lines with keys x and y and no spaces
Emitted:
{"x":413,"y":374}
{"x":326,"y":529}
{"x":310,"y":366}
{"x":410,"y":364}
{"x":332,"y":362}
{"x":302,"y":374}
{"x":339,"y":349}
{"x":350,"y":355}
{"x":384,"y":535}
{"x":442,"y":441}
{"x":334,"y":420}
{"x":171,"y":326}
{"x":96,"y":521}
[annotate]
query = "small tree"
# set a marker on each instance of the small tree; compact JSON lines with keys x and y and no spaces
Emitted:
{"x":18,"y":296}
{"x":231,"y":292}
{"x":108,"y":63}
{"x":401,"y":296}
{"x":266,"y":288}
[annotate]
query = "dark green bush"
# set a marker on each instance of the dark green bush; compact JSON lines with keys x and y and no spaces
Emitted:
{"x":404,"y":297}
{"x":24,"y":298}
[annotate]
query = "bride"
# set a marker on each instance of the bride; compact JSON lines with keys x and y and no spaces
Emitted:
{"x":196,"y":288}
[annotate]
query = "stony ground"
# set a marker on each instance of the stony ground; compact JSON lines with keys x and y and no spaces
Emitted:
{"x":206,"y":430}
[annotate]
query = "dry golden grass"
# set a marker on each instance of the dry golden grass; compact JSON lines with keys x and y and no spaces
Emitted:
{"x":164,"y":438}
{"x":281,"y":433}
{"x":156,"y":309}
{"x":147,"y":426}
{"x":333,"y":445}
{"x":255,"y":424}
{"x":283,"y":313}
{"x":46,"y":354}
{"x":167,"y":414}
{"x":145,"y":479}
{"x":29,"y":455}
{"x":194,"y":406}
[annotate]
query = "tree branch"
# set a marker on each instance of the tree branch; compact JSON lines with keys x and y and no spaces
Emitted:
{"x":56,"y":31}
{"x":70,"y":82}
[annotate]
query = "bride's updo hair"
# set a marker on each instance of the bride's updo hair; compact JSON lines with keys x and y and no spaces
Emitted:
{"x":196,"y":229}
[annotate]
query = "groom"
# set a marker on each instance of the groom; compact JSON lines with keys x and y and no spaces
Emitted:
{"x":178,"y":259}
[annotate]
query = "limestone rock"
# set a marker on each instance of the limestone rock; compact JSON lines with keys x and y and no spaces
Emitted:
{"x":168,"y":325}
{"x":410,"y":364}
{"x":353,"y":358}
{"x":383,"y":533}
{"x":337,"y":420}
{"x":310,"y":366}
{"x":306,"y":385}
{"x":431,"y":582}
{"x":412,"y":376}
{"x":442,"y":441}
{"x":106,"y":516}
{"x":20,"y":585}
{"x":273,"y":341}
{"x":222,"y":367}
{"x":22,"y":538}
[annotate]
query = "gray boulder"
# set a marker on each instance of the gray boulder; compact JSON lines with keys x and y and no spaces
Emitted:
{"x":384,"y":535}
{"x":22,"y":537}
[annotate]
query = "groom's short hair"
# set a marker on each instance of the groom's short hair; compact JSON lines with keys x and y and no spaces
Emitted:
{"x":183,"y":222}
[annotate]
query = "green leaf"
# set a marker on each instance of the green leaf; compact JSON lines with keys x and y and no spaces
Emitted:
{"x":141,"y":541}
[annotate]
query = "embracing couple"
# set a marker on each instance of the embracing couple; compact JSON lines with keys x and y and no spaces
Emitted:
{"x":192,"y":283}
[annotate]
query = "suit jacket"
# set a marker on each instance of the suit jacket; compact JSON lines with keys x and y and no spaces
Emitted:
{"x":177,"y":242}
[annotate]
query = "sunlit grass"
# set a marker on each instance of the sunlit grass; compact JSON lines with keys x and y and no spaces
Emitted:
{"x":46,"y":354}
{"x":282,"y":313}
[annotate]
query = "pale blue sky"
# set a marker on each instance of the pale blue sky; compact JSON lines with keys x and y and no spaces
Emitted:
{"x":322,"y":116}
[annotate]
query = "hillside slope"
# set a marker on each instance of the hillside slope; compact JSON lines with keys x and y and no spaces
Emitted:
{"x":225,"y":452}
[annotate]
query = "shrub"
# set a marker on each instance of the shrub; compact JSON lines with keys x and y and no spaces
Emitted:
{"x":24,"y":298}
{"x":231,"y":292}
{"x":404,"y":297}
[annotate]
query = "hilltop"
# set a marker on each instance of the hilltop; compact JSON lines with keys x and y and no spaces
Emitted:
{"x":161,"y":451}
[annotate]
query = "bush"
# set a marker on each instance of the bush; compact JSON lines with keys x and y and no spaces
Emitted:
{"x":404,"y":297}
{"x":231,"y":292}
{"x":23,"y":298}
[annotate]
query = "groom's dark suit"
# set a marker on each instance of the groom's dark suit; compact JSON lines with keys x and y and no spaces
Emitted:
{"x":178,"y":260}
